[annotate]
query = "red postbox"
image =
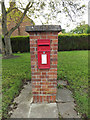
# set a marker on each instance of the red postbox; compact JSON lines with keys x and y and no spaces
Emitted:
{"x":43,"y":49}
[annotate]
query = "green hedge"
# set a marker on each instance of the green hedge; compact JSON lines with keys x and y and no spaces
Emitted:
{"x":20,"y":44}
{"x":69,"y":42}
{"x":66,"y":42}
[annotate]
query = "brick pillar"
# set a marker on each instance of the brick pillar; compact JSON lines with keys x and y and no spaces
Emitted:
{"x":44,"y":81}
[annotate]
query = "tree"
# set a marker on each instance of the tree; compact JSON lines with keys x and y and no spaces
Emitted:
{"x":6,"y":44}
{"x":82,"y":28}
{"x":48,"y":10}
{"x":88,"y":30}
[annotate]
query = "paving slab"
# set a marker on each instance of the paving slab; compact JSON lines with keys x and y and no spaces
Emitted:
{"x":25,"y":94}
{"x":64,"y":95}
{"x":65,"y":105}
{"x":66,"y":110}
{"x":43,"y":110}
{"x":23,"y":102}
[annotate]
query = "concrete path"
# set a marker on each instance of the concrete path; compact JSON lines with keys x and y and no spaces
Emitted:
{"x":43,"y":111}
{"x":63,"y":108}
{"x":65,"y":102}
{"x":21,"y":104}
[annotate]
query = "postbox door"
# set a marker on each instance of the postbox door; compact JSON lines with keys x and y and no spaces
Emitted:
{"x":44,"y":60}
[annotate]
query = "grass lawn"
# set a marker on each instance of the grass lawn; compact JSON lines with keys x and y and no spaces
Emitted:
{"x":14,"y":71}
{"x":0,"y":87}
{"x":72,"y":66}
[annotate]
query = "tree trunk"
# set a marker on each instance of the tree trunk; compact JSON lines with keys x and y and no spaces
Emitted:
{"x":3,"y":49}
{"x":6,"y":44}
{"x":6,"y":33}
{"x":8,"y":48}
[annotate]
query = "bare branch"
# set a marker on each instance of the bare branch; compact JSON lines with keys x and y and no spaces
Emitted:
{"x":21,"y":19}
{"x":4,"y":19}
{"x":10,"y":9}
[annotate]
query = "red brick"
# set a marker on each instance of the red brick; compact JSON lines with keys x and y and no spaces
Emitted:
{"x":37,"y":98}
{"x":35,"y":92}
{"x":55,"y":45}
{"x":32,"y":42}
{"x":50,"y":86}
{"x":53,"y":59}
{"x":43,"y":73}
{"x":37,"y":80}
{"x":31,"y":33}
{"x":32,"y":49}
{"x":33,"y":63}
{"x":34,"y":37}
{"x":53,"y":48}
{"x":40,"y":98}
{"x":49,"y":33}
{"x":44,"y":86}
{"x":33,"y":56}
{"x":33,"y":45}
{"x":53,"y":52}
{"x":37,"y":86}
{"x":50,"y":80}
{"x":51,"y":98}
{"x":52,"y":37}
{"x":36,"y":73}
{"x":48,"y":98}
{"x":44,"y":80}
{"x":55,"y":33}
{"x":54,"y":69}
{"x":43,"y":76}
{"x":55,"y":41}
{"x":35,"y":59}
{"x":43,"y":37}
{"x":38,"y":76}
{"x":34,"y":76}
{"x":54,"y":62}
{"x":52,"y":73}
{"x":45,"y":98}
{"x":53,"y":66}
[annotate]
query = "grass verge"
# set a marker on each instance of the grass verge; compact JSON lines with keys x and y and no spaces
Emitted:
{"x":73,"y":67}
{"x":14,"y":72}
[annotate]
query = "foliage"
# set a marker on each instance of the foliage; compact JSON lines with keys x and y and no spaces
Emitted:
{"x":73,"y":67}
{"x":6,"y":47}
{"x":88,"y":30}
{"x":81,"y":29}
{"x":37,"y":9}
{"x":63,"y":31}
{"x":14,"y":72}
{"x":51,"y":10}
{"x":20,"y":44}
{"x":65,"y":42}
{"x":15,"y":15}
{"x":73,"y":42}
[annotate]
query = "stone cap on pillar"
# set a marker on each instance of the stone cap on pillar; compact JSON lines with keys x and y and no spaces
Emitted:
{"x":43,"y":28}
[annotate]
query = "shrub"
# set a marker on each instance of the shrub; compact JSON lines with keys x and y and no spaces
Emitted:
{"x":67,"y":42}
{"x":20,"y":44}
